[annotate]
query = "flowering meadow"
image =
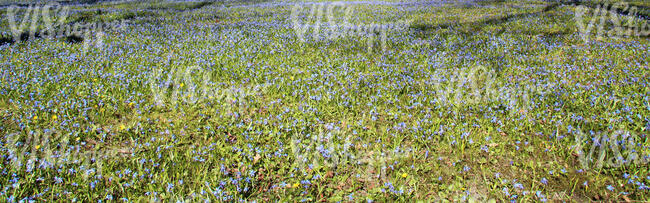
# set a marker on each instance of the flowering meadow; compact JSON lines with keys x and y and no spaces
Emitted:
{"x":336,"y":101}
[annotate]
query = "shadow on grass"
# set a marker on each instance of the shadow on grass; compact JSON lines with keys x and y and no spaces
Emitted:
{"x":477,"y":25}
{"x":642,"y":11}
{"x":181,"y":6}
{"x":25,"y":36}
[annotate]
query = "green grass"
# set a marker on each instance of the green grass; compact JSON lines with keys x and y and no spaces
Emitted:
{"x":266,"y":117}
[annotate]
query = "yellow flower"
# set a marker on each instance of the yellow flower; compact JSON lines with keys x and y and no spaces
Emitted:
{"x":54,"y":117}
{"x":122,"y":127}
{"x":78,"y":138}
{"x":35,"y":117}
{"x":130,"y":104}
{"x":404,"y":175}
{"x":182,"y":84}
{"x":295,"y":185}
{"x":38,"y":147}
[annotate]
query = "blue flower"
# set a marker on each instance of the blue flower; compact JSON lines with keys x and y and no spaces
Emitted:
{"x":170,"y":187}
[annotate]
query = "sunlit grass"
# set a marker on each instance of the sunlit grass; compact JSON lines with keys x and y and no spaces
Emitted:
{"x":323,"y":119}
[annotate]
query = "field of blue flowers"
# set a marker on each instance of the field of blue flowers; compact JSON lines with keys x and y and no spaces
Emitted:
{"x":337,"y":101}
